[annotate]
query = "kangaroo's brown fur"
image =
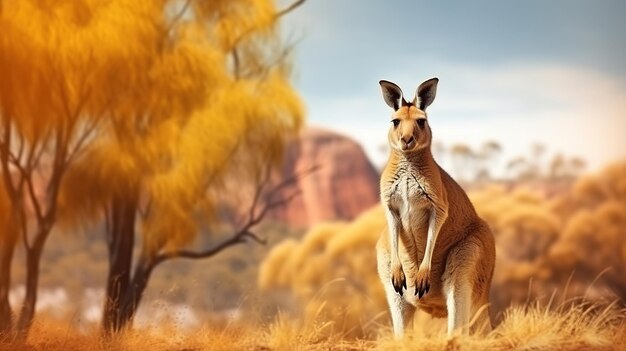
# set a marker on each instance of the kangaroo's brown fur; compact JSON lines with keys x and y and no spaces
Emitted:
{"x":436,"y":253}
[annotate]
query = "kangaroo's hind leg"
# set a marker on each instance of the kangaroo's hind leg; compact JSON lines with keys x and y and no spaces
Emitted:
{"x":482,"y":287}
{"x":458,"y":283}
{"x":480,"y":315}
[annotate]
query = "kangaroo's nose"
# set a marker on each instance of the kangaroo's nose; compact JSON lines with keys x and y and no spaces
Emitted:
{"x":408,"y":140}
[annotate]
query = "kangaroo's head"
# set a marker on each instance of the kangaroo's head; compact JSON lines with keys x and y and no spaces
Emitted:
{"x":409,"y":130}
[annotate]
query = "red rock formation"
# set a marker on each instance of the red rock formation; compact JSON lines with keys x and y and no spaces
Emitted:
{"x":344,"y":184}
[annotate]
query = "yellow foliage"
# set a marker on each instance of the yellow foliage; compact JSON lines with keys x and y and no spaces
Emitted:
{"x":272,"y":271}
{"x":591,"y":242}
{"x":172,"y":118}
{"x":57,"y":57}
{"x":237,"y":19}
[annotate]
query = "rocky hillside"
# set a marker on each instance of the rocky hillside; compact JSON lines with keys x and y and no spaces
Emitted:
{"x":344,"y":184}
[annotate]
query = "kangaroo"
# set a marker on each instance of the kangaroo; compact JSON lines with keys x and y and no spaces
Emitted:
{"x":436,"y":253}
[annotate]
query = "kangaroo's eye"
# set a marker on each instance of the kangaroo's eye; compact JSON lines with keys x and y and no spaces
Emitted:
{"x":421,"y":122}
{"x":395,"y":122}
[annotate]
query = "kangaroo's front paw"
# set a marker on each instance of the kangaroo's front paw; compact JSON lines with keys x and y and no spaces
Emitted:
{"x":398,"y":280}
{"x":422,"y":282}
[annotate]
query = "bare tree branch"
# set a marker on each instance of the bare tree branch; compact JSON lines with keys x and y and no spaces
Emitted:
{"x":256,"y":238}
{"x":233,"y":240}
{"x":21,"y":148}
{"x":37,"y":158}
{"x":87,"y":132}
{"x":144,"y":211}
{"x":26,"y":176}
{"x":14,"y":187}
{"x":248,"y":31}
{"x":213,"y":176}
{"x":178,"y":16}
{"x":278,"y":203}
{"x":281,"y":57}
{"x":255,"y":217}
{"x":289,"y":8}
{"x":277,"y":16}
{"x":259,"y":191}
{"x":296,"y":177}
{"x":24,"y":225}
{"x":33,"y":197}
{"x":236,"y":63}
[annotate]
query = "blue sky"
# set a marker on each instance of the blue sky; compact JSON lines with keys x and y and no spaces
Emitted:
{"x":516,"y":72}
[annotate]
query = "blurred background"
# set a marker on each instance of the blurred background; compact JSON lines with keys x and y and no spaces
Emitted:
{"x":188,"y":162}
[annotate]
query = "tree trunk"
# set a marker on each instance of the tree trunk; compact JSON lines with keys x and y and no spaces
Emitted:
{"x":121,"y":242}
{"x":133,"y":296}
{"x":33,"y":259}
{"x":7,"y":247}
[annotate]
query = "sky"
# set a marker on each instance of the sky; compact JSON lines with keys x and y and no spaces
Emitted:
{"x":517,"y":72}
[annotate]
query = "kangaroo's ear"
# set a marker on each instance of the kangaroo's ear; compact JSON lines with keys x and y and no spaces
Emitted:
{"x":392,"y":94}
{"x":425,"y":94}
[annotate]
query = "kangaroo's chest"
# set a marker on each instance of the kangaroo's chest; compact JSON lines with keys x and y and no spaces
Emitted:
{"x":409,"y":197}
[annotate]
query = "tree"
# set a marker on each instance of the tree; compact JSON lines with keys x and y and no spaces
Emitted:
{"x":558,"y":167}
{"x":47,"y":116}
{"x":51,"y":107}
{"x":213,"y":103}
{"x":142,"y":133}
{"x":487,"y":157}
{"x":8,"y":236}
{"x":536,"y":160}
{"x":519,"y":168}
{"x":577,"y":166}
{"x":439,"y":151}
{"x":462,"y":157}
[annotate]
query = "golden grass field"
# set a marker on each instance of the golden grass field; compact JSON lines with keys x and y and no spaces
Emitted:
{"x":575,"y":327}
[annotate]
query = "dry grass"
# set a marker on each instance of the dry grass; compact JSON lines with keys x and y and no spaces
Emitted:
{"x":578,"y":326}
